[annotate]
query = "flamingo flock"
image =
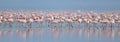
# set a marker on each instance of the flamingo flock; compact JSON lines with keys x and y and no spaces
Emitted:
{"x":53,"y":17}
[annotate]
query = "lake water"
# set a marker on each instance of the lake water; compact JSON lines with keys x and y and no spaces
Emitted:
{"x":57,"y":33}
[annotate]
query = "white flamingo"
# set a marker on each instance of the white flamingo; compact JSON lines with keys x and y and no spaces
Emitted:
{"x":1,"y":17}
{"x":30,"y":21}
{"x":22,"y":21}
{"x":69,"y":21}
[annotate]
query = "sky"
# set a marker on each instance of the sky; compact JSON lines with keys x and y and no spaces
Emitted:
{"x":60,"y":4}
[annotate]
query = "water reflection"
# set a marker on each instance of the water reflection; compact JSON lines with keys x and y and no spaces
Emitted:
{"x":0,"y":34}
{"x":74,"y":33}
{"x":118,"y":32}
{"x":79,"y":32}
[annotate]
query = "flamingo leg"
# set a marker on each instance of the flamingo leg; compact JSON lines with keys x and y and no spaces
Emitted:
{"x":111,"y":25}
{"x":30,"y":25}
{"x":10,"y":24}
{"x":41,"y":25}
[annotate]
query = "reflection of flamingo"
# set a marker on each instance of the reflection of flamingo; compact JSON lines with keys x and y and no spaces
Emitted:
{"x":87,"y":32}
{"x":30,"y":32}
{"x":118,"y":31}
{"x":56,"y":32}
{"x":95,"y":32}
{"x":0,"y":33}
{"x":106,"y":32}
{"x":24,"y":35}
{"x":112,"y":33}
{"x":39,"y":32}
{"x":70,"y":31}
{"x":79,"y":32}
{"x":11,"y":33}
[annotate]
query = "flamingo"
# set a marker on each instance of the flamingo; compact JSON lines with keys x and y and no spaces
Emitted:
{"x":62,"y":20}
{"x":87,"y":21}
{"x":118,"y":22}
{"x":39,"y":19}
{"x":69,"y":21}
{"x":1,"y":17}
{"x":112,"y":21}
{"x":30,"y":21}
{"x":104,"y":21}
{"x":95,"y":22}
{"x":10,"y":20}
{"x":56,"y":19}
{"x":22,"y":21}
{"x":60,"y":17}
{"x":49,"y":18}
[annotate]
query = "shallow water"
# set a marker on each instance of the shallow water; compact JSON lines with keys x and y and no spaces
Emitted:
{"x":43,"y":33}
{"x":59,"y":32}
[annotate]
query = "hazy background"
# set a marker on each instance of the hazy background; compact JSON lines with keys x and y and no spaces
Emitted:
{"x":60,"y":4}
